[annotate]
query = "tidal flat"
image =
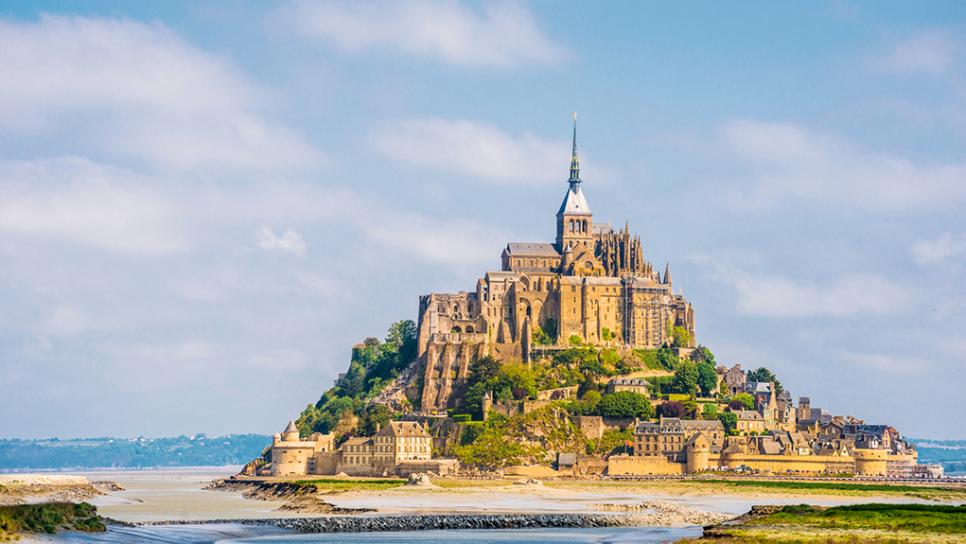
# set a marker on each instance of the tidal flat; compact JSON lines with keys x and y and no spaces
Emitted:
{"x":181,"y":496}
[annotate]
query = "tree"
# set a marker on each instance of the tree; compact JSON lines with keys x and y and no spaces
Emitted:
{"x":589,"y":402}
{"x":762,"y":374}
{"x":710,"y":411}
{"x":702,"y":354}
{"x":667,"y":359}
{"x":625,"y":404}
{"x":483,"y":372}
{"x":747,"y":401}
{"x":376,"y":415}
{"x":680,"y":336}
{"x":729,"y":420}
{"x":519,"y":379}
{"x":589,"y":384}
{"x":690,"y":408}
{"x":707,"y":378}
{"x":671,"y":409}
{"x":493,"y":448}
{"x":685,"y":378}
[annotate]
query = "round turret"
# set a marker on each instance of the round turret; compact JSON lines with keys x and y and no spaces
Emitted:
{"x":291,"y":433}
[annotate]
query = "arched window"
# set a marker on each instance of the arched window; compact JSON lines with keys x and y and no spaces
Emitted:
{"x":585,"y":225}
{"x":456,"y":330}
{"x":469,"y":328}
{"x":571,"y":225}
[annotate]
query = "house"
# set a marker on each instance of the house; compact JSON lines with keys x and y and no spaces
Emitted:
{"x":734,"y":379}
{"x":634,"y":385}
{"x":749,"y":421}
{"x":401,"y":448}
{"x":670,"y":436}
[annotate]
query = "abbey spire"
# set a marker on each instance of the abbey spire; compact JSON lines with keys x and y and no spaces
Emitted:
{"x":574,"y":220}
{"x":574,"y":159}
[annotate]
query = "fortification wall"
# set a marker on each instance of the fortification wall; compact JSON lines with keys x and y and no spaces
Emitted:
{"x":630,"y":465}
{"x":780,"y":464}
{"x":290,"y":461}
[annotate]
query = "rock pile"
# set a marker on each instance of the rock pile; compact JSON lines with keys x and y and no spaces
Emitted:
{"x":663,"y":513}
{"x":355,"y":524}
{"x":420,"y":480}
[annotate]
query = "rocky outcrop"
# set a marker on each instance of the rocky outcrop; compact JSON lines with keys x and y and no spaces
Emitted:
{"x":662,"y":513}
{"x":422,"y":522}
{"x":21,"y":488}
{"x":420,"y":479}
{"x":304,"y":498}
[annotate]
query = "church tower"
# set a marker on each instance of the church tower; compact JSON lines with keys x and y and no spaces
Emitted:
{"x":575,"y":223}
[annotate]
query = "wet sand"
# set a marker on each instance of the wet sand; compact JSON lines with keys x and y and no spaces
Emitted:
{"x":179,"y":495}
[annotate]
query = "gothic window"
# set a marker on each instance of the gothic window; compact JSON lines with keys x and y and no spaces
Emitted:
{"x":585,"y":226}
{"x":571,"y":225}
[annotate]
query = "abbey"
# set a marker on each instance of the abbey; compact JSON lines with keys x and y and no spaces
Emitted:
{"x":592,"y":283}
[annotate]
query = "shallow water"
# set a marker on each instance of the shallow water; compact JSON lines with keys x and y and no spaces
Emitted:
{"x":242,"y":534}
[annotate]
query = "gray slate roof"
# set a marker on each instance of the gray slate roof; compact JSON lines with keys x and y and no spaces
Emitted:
{"x":574,"y":201}
{"x":532,"y":248}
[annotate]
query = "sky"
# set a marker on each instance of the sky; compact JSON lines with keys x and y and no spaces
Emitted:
{"x":204,"y":205}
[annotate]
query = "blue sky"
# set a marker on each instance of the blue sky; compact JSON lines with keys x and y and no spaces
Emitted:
{"x":204,"y":205}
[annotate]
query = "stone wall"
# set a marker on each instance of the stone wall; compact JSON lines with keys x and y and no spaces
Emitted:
{"x":631,"y":465}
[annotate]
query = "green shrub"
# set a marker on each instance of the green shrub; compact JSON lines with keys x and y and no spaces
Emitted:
{"x":625,"y":404}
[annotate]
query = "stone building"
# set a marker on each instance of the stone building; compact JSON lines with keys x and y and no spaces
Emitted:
{"x":591,"y":282}
{"x":749,"y":421}
{"x":634,"y":385}
{"x":670,"y":436}
{"x":399,"y":448}
{"x":735,"y":379}
{"x":293,"y":456}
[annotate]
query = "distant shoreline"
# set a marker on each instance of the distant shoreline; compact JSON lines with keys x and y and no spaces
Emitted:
{"x":73,"y":470}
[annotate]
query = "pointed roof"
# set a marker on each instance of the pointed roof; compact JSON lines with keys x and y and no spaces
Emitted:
{"x":667,"y":273}
{"x":291,"y":427}
{"x":574,"y":158}
{"x":574,"y":201}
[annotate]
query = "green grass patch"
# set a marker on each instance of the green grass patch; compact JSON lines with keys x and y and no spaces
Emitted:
{"x":917,"y":518}
{"x":648,"y":357}
{"x":831,"y":486}
{"x":48,"y":518}
{"x":338,"y":484}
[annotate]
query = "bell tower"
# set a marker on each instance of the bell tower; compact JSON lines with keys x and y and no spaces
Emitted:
{"x":575,"y":223}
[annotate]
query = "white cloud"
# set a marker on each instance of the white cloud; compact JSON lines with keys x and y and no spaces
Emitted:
{"x":946,"y":247}
{"x":476,"y":149}
{"x":85,"y":203}
{"x":68,"y":320}
{"x":286,"y":360}
{"x":790,"y":163}
{"x":848,"y":295}
{"x":457,"y":242}
{"x":932,"y":52}
{"x":123,"y":88}
{"x":499,"y":34}
{"x":289,"y":240}
{"x":882,"y":362}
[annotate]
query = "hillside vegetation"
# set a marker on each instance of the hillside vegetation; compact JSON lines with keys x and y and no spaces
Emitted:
{"x":383,"y":382}
{"x":345,"y":409}
{"x":48,"y":518}
{"x":868,"y":523}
